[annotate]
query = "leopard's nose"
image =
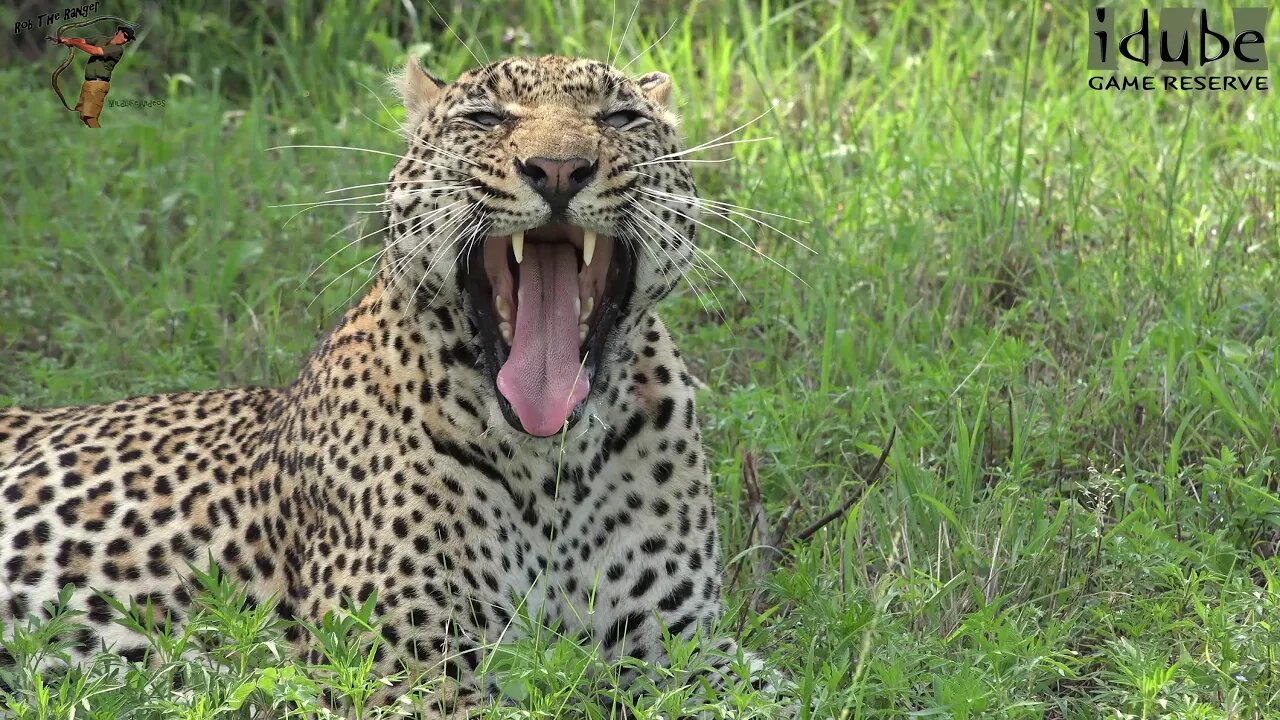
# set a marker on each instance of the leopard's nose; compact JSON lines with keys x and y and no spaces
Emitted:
{"x":557,"y":180}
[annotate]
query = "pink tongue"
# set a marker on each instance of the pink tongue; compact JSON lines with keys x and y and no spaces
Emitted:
{"x":542,"y":378}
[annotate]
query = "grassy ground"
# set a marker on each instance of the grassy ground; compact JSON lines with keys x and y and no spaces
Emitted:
{"x":1063,"y":299}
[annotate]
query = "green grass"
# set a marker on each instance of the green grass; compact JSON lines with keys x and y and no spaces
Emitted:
{"x":1063,"y":299}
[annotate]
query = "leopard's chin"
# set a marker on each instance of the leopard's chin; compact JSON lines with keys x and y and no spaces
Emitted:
{"x":547,"y":301}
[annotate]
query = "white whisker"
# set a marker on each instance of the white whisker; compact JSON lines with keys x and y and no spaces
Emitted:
{"x":719,"y":210}
{"x":413,"y":160}
{"x":404,"y":135}
{"x":708,"y":146}
{"x":676,"y":235}
{"x":445,"y":217}
{"x":333,"y":201}
{"x":749,"y":246}
{"x":613,"y":58}
{"x":323,"y":263}
{"x":654,"y":237}
{"x":421,"y":220}
{"x":373,"y":271}
{"x":641,"y":235}
{"x":458,"y":236}
{"x":651,"y":46}
{"x":353,"y":242}
{"x":454,"y":225}
{"x":721,"y":203}
{"x":654,"y":231}
{"x":714,"y":142}
{"x":419,"y":141}
{"x":345,"y":202}
{"x":721,"y":271}
{"x":383,"y":184}
{"x":381,"y":104}
{"x":398,"y":133}
{"x":459,"y":38}
{"x":334,"y":147}
{"x":330,"y":203}
{"x":700,"y":293}
{"x":350,"y":225}
{"x":446,"y":222}
{"x":344,"y":274}
{"x":418,"y":191}
{"x":407,"y":137}
{"x":428,"y":193}
{"x":684,"y":161}
{"x":613,"y":17}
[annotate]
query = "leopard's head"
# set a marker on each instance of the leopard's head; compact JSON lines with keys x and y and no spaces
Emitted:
{"x":544,"y":198}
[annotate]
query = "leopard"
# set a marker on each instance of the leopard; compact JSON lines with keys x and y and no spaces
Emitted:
{"x":501,"y":424}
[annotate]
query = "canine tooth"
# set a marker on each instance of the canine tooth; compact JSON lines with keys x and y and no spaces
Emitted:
{"x":505,"y":329}
{"x":582,"y":333}
{"x":517,"y":246}
{"x":586,"y":307}
{"x":504,"y":308}
{"x":588,"y":246}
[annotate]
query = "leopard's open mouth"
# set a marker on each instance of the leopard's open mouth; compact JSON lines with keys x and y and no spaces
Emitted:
{"x":546,"y":303}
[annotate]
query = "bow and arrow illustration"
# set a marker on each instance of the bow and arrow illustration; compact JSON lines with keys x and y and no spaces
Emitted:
{"x":122,"y":26}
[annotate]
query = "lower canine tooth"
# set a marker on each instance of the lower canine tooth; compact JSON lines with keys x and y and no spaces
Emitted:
{"x":504,"y":308}
{"x":517,"y":246}
{"x":588,"y":246}
{"x":505,"y":329}
{"x":587,"y":306}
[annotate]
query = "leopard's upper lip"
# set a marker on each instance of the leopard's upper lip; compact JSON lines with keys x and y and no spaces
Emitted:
{"x":552,"y":229}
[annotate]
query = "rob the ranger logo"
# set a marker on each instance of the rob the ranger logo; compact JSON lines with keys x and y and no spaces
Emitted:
{"x":1182,"y":31}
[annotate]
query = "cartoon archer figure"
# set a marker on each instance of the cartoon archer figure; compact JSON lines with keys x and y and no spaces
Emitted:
{"x":97,"y":71}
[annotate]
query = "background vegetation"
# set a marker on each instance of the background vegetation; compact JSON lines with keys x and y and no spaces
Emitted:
{"x":1063,"y":299}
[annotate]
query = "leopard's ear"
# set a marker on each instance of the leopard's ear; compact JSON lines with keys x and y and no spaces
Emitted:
{"x":657,"y":87}
{"x":417,"y":90}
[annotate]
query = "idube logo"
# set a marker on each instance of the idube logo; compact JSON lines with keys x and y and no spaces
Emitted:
{"x":1186,"y":40}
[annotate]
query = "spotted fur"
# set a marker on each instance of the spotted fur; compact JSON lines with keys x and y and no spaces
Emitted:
{"x":386,"y":467}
